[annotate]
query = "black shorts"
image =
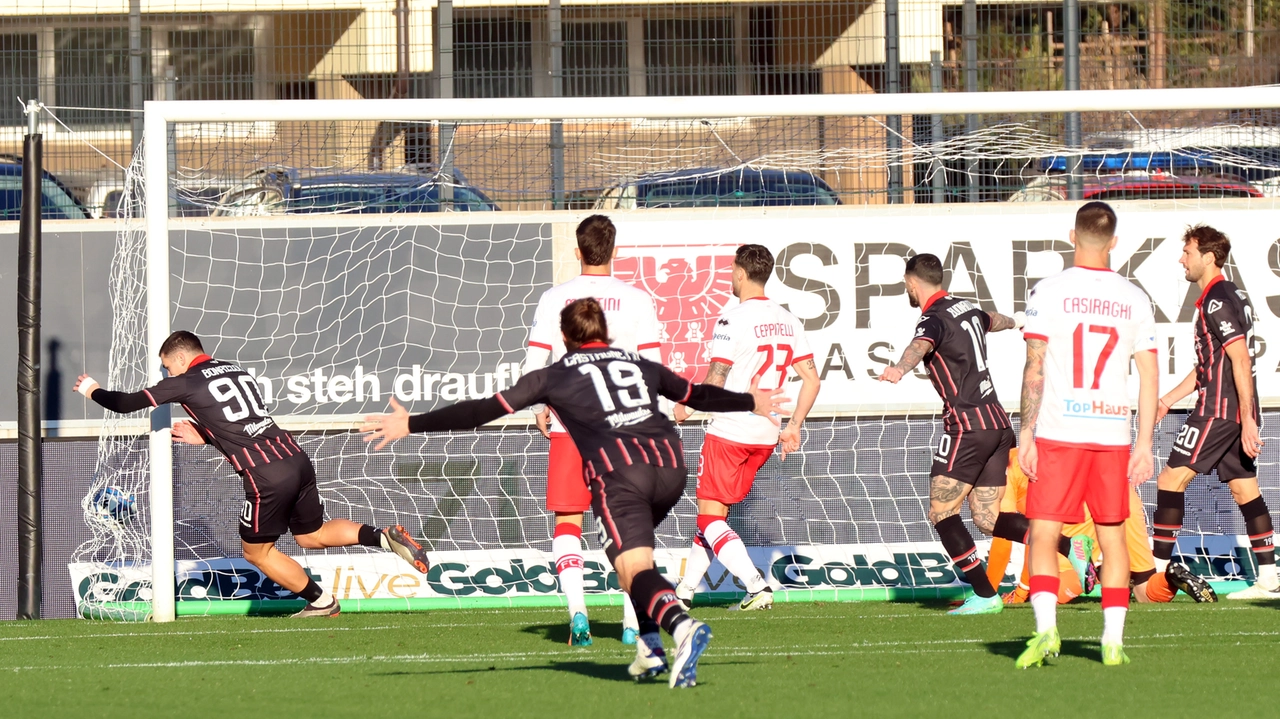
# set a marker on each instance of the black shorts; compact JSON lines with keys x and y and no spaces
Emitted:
{"x":978,"y":458}
{"x":1205,"y":445}
{"x":280,"y":497}
{"x":630,"y":502}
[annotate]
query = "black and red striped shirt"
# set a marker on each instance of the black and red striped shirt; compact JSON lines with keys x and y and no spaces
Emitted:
{"x":957,"y":364}
{"x":1223,"y":317}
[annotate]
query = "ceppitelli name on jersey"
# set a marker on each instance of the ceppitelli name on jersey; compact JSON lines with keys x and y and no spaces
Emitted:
{"x":774,"y":329}
{"x":1095,"y":306}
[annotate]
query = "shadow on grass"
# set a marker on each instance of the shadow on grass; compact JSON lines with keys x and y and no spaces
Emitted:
{"x":1070,"y":648}
{"x":559,"y":633}
{"x":612,"y":671}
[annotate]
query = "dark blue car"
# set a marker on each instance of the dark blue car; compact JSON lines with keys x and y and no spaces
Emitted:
{"x":56,"y":201}
{"x":712,"y":187}
{"x":291,"y":192}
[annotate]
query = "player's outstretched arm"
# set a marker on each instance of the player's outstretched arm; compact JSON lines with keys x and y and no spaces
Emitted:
{"x":386,"y":428}
{"x":120,"y":402}
{"x":1175,"y":395}
{"x":810,"y":383}
{"x":1032,"y":396}
{"x":1242,"y":372}
{"x":1000,"y":323}
{"x":717,"y":374}
{"x":911,"y":357}
{"x":1141,"y":464}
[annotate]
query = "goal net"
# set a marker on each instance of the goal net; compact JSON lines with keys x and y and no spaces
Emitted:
{"x":356,"y":252}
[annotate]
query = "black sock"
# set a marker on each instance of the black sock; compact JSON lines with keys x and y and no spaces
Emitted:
{"x":655,"y":596}
{"x":964,"y":555}
{"x":646,"y":623}
{"x":311,"y":592}
{"x":1167,"y":520}
{"x":370,"y":536}
{"x":1015,"y":527}
{"x":1257,"y":522}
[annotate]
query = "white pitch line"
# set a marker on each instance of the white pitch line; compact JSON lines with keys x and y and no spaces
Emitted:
{"x":161,"y":633}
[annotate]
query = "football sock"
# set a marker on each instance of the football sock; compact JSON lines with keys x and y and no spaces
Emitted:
{"x":629,"y":618}
{"x":730,"y":550}
{"x":699,"y":561}
{"x":964,"y":555}
{"x":1166,"y":522}
{"x":371,"y":536}
{"x":1158,"y":589}
{"x":314,"y":595}
{"x":643,"y":621}
{"x":1115,"y":606}
{"x":1015,"y":527}
{"x":566,"y":545}
{"x":1257,"y":523}
{"x":1044,"y":601}
{"x":655,"y":596}
{"x":998,"y":560}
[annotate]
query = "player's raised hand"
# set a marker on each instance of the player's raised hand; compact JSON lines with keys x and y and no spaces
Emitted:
{"x":184,"y":432}
{"x":1141,"y":466}
{"x":386,"y":428}
{"x":85,"y":385}
{"x":890,"y":374}
{"x":789,"y":440}
{"x":769,"y":401}
{"x":680,"y":413}
{"x":543,"y":420}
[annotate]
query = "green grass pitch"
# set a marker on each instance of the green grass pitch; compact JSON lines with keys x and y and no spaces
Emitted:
{"x":798,"y":660}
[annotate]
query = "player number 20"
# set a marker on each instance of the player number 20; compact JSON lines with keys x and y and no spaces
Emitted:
{"x":1188,"y":437}
{"x":225,"y":390}
{"x":626,"y":377}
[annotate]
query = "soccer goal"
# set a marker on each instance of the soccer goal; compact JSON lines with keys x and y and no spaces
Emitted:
{"x":371,"y":249}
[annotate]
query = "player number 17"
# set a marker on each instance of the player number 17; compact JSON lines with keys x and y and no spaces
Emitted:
{"x":1078,"y":361}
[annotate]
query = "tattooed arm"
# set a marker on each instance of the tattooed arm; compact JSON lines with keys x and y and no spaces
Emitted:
{"x":717,"y":373}
{"x":1000,"y":322}
{"x":810,"y":382}
{"x":1032,"y":396}
{"x":911,"y":357}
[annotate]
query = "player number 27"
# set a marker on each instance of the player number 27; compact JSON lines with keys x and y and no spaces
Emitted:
{"x":626,"y":376}
{"x":1078,"y":360}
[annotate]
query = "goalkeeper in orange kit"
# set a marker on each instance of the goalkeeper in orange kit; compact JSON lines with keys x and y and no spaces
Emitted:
{"x":1148,"y":584}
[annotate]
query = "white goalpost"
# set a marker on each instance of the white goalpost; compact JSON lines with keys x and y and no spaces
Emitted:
{"x":336,"y":308}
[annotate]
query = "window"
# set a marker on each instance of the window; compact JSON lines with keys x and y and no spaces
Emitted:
{"x":212,"y":64}
{"x":19,"y":75}
{"x":595,"y":59}
{"x":55,"y":203}
{"x":493,"y":57}
{"x":689,"y":57}
{"x":91,"y":68}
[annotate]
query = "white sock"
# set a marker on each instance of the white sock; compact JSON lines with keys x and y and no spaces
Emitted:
{"x":682,"y":630}
{"x":695,"y":567}
{"x":732,"y":553}
{"x":1161,"y":565}
{"x":1267,"y":576}
{"x":567,"y":549}
{"x":1046,"y":609}
{"x":1113,"y":624}
{"x":629,"y":620}
{"x":325,"y":599}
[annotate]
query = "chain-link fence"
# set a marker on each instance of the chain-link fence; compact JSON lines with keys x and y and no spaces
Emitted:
{"x":94,"y":62}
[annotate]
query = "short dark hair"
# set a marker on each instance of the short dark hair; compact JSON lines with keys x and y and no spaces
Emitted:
{"x":926,"y":267}
{"x":596,"y":236}
{"x":1096,"y":221}
{"x":1208,"y":240}
{"x":583,"y":321}
{"x":756,"y":261}
{"x":181,"y":340}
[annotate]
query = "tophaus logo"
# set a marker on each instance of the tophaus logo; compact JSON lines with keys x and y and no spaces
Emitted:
{"x":1097,"y":409}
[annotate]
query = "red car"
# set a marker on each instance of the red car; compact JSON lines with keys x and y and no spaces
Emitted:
{"x":1138,"y":186}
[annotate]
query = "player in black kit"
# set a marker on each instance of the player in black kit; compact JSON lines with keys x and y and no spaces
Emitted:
{"x":1222,"y":431}
{"x":279,"y":479}
{"x":973,"y":452}
{"x":607,"y":399}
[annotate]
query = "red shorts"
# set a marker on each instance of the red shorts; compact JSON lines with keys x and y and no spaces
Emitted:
{"x":727,"y":469}
{"x":1070,"y":476}
{"x":567,"y":489}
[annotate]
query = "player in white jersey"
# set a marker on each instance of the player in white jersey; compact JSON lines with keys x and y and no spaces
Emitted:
{"x":1083,"y":325}
{"x":757,"y":338}
{"x":633,"y":322}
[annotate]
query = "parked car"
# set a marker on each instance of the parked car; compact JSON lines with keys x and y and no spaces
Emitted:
{"x":290,"y":191}
{"x":56,"y":201}
{"x":718,"y":187}
{"x":191,"y":198}
{"x":1138,"y":186}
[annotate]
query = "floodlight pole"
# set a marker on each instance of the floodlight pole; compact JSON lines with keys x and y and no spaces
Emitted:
{"x":893,"y":86}
{"x":1071,"y":81}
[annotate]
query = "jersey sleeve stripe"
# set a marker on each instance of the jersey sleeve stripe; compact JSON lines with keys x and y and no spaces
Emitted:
{"x":150,"y":399}
{"x":1231,"y":341}
{"x":503,"y":401}
{"x":687,"y":393}
{"x":1034,"y":336}
{"x":798,"y":360}
{"x":648,"y":346}
{"x":540,"y":345}
{"x":926,"y":339}
{"x":722,"y":360}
